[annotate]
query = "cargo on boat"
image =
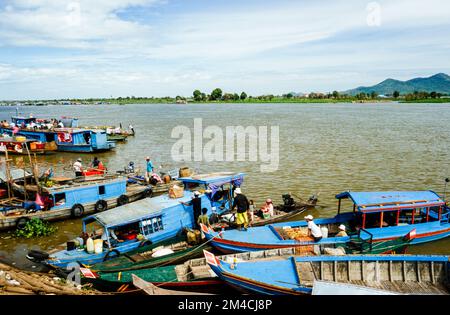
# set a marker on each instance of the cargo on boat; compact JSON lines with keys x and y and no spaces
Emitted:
{"x":22,"y":146}
{"x":407,"y":274}
{"x":385,"y":216}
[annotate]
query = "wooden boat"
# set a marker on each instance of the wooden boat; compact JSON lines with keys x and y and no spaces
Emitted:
{"x":141,"y":258}
{"x":117,"y":138}
{"x":296,"y":275}
{"x":194,"y":275}
{"x":71,"y":200}
{"x":22,"y":146}
{"x":180,"y":276}
{"x":383,"y":215}
{"x":151,"y":289}
{"x":157,"y":219}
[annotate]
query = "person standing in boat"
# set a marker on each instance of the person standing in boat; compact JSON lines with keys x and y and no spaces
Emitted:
{"x":196,"y":204}
{"x":78,"y":168}
{"x":95,"y":163}
{"x":342,"y":232}
{"x":149,"y":169}
{"x":204,"y":219}
{"x":131,"y":128}
{"x":242,"y":205}
{"x":313,"y":229}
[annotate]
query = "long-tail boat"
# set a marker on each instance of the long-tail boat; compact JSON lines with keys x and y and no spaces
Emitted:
{"x":407,"y":274}
{"x":383,"y":216}
{"x":179,"y":276}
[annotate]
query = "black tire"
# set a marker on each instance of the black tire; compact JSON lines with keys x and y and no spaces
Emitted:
{"x":148,"y":193}
{"x":77,"y":211}
{"x":100,"y":206}
{"x":37,"y":255}
{"x":109,"y":255}
{"x":123,"y":200}
{"x":21,"y":222}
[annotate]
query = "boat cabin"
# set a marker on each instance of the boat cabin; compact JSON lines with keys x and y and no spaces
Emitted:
{"x":218,"y":187}
{"x":387,"y":209}
{"x":82,"y":140}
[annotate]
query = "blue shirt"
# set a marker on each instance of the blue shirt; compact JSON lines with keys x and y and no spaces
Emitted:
{"x":149,"y":166}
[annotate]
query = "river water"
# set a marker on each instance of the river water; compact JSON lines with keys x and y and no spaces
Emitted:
{"x":324,"y":148}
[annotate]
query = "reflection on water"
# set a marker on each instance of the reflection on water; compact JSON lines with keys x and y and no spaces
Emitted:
{"x":324,"y":148}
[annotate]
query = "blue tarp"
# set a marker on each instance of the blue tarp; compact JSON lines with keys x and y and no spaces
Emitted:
{"x":369,"y":201}
{"x":215,"y":178}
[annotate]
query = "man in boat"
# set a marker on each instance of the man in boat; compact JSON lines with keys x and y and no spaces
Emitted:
{"x":342,"y":232}
{"x":196,"y":203}
{"x":313,"y":229}
{"x":95,"y":163}
{"x":268,"y":208}
{"x":242,"y":205}
{"x":149,"y":169}
{"x":78,"y":168}
{"x":112,"y":235}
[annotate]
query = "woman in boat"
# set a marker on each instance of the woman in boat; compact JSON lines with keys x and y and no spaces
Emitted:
{"x":78,"y":168}
{"x":242,"y":204}
{"x":267,"y":208}
{"x":342,"y":232}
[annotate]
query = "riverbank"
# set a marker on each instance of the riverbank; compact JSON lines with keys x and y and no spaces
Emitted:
{"x":18,"y":282}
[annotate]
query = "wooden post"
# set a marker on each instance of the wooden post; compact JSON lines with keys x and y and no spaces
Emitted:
{"x":8,"y":174}
{"x":381,"y":218}
{"x":440,"y":213}
{"x":364,"y":221}
{"x":413,"y":216}
{"x":398,"y":217}
{"x":428,"y":214}
{"x":339,"y":206}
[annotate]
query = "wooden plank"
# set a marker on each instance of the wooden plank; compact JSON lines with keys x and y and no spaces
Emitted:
{"x":433,"y":279}
{"x":390,"y":270}
{"x":404,"y":270}
{"x":419,"y":279}
{"x":335,"y":270}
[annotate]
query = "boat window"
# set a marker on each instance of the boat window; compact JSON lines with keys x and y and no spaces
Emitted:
{"x":101,"y":190}
{"x":49,"y":137}
{"x":60,"y":199}
{"x":152,"y":225}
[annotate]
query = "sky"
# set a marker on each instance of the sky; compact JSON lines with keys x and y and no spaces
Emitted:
{"x":57,"y":49}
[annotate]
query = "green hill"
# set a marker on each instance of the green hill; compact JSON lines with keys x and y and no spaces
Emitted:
{"x":439,"y":83}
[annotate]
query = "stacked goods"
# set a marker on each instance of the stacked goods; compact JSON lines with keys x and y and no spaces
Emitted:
{"x":298,"y":234}
{"x":176,"y":192}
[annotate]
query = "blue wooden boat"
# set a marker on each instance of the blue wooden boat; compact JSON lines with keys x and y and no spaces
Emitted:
{"x":156,"y":219}
{"x":383,"y":216}
{"x":71,"y":139}
{"x":72,"y":200}
{"x":407,"y":274}
{"x":82,"y":140}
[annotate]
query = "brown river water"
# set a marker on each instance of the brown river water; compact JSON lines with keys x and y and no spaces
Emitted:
{"x":324,"y":148}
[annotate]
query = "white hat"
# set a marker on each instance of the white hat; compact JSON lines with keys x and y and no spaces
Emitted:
{"x":196,"y":193}
{"x":309,"y":217}
{"x":79,"y":159}
{"x":342,"y":227}
{"x":147,"y":158}
{"x":238,"y":191}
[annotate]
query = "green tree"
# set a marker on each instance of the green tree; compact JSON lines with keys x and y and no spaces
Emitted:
{"x":290,"y":95}
{"x":197,"y":95}
{"x":433,"y":94}
{"x":396,"y":94}
{"x":236,"y":97}
{"x":373,"y":95}
{"x":335,"y":94}
{"x":243,"y":96}
{"x":216,"y":94}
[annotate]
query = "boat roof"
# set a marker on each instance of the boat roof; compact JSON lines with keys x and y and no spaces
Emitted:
{"x":15,"y":174}
{"x":213,"y":178}
{"x":138,"y":210}
{"x":78,"y":130}
{"x":17,"y":141}
{"x":389,"y":200}
{"x":76,"y":185}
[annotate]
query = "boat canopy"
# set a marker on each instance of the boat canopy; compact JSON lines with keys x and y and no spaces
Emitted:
{"x":392,"y":200}
{"x":137,"y":211}
{"x":215,"y":180}
{"x":15,"y":174}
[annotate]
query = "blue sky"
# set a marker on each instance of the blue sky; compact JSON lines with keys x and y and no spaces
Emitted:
{"x":84,"y":48}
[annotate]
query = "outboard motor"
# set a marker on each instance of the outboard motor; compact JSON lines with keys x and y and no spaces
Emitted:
{"x":313,"y":199}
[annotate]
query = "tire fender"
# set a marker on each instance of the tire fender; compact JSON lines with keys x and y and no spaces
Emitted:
{"x":77,"y":211}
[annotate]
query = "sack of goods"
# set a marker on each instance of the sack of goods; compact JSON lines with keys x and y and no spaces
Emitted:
{"x":176,"y":192}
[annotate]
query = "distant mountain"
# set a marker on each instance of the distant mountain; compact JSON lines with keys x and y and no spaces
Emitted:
{"x":439,"y":83}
